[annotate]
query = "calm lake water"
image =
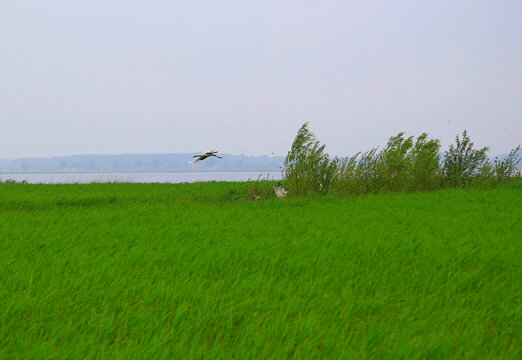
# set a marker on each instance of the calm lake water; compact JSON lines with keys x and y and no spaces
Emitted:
{"x":172,"y":178}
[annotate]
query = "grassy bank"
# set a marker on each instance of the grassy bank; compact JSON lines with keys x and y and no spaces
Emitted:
{"x":197,"y":270}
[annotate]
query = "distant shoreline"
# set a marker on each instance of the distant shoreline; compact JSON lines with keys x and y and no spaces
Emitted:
{"x":138,"y":163}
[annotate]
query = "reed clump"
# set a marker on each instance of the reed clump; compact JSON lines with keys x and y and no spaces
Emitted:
{"x":405,"y":164}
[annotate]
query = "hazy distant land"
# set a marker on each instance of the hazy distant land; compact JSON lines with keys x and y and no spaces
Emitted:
{"x":139,"y":163}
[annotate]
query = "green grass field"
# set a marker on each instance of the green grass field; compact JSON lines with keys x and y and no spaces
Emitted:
{"x":198,"y":271}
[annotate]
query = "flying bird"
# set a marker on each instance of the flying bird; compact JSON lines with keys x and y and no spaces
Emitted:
{"x":206,"y":155}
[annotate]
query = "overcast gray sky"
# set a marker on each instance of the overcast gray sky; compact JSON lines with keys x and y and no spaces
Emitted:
{"x":161,"y":76}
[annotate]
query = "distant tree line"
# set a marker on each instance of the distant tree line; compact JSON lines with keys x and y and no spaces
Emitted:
{"x":404,"y":164}
{"x":140,"y":163}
